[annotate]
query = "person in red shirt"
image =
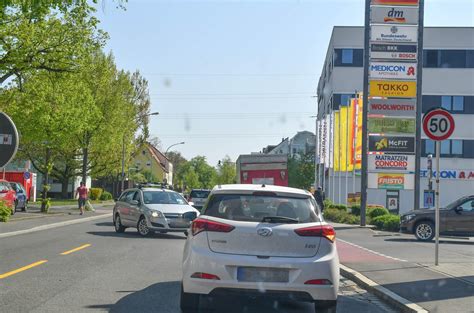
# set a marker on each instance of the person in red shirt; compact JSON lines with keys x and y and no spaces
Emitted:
{"x":82,"y":191}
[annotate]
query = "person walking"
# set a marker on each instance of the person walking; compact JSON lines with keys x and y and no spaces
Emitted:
{"x":81,"y":195}
{"x":319,"y":196}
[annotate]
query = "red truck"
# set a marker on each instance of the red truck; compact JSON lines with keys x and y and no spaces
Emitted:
{"x":269,"y":169}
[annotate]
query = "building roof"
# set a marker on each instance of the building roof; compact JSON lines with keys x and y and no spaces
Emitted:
{"x":159,"y":157}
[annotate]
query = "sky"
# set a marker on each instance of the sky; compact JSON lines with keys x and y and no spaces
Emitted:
{"x":230,"y":77}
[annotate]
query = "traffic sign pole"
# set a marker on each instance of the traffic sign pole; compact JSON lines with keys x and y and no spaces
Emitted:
{"x":438,"y":152}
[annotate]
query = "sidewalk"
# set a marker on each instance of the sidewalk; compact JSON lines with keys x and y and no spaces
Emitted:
{"x":22,"y":221}
{"x":403,"y":265}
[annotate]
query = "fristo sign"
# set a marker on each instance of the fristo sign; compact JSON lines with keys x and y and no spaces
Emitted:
{"x":391,"y":181}
{"x":393,"y":70}
{"x":397,"y":34}
{"x":391,"y":162}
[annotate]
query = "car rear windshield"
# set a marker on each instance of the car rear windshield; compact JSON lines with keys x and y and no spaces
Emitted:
{"x":199,"y":193}
{"x":257,"y":208}
{"x":162,"y":197}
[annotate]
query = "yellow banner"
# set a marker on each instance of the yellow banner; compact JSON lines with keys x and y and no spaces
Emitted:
{"x":343,"y":135}
{"x":389,"y":88}
{"x":336,"y":142}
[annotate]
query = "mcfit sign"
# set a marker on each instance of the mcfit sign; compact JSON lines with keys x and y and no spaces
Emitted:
{"x":392,"y":144}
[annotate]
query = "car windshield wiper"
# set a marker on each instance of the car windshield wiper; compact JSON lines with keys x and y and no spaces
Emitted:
{"x":279,"y":219}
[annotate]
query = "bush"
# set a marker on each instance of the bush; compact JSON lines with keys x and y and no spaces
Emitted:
{"x":355,"y":209}
{"x":95,"y":193}
{"x":340,"y":216}
{"x":5,"y":212}
{"x":389,"y":222}
{"x":378,"y":211}
{"x":327,"y":203}
{"x":45,"y":205}
{"x":106,"y":196}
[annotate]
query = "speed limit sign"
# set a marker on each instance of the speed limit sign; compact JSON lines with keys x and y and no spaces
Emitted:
{"x":438,"y":124}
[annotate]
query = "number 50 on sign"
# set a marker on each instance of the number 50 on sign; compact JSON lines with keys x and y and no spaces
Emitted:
{"x":438,"y":124}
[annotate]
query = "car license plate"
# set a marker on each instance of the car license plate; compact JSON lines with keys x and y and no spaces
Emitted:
{"x":259,"y":274}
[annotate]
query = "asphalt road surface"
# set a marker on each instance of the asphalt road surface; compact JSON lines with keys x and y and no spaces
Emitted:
{"x":88,"y":267}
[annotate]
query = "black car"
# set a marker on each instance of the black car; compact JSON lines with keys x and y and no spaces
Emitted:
{"x":456,"y":219}
{"x":21,"y":201}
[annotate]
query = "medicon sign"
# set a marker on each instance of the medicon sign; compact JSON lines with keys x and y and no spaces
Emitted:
{"x":388,"y":88}
{"x":392,"y":15}
{"x":398,"y":34}
{"x":393,"y":70}
{"x":392,"y":107}
{"x":391,"y":125}
{"x":391,"y":181}
{"x":392,"y":144}
{"x":391,"y":163}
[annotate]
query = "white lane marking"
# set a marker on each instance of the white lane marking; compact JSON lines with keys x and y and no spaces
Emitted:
{"x":372,"y":251}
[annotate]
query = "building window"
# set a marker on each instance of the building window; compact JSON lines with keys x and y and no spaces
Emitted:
{"x":453,"y":103}
{"x":456,"y":147}
{"x":446,"y":102}
{"x":458,"y":103}
{"x":429,"y":147}
{"x":445,"y":147}
{"x":448,"y":58}
{"x":347,"y":56}
{"x":341,"y":99}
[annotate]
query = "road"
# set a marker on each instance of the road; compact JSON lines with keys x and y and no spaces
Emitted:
{"x":88,"y":267}
{"x":406,"y":266}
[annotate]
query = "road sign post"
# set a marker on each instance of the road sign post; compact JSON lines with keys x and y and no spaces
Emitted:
{"x":438,"y":125}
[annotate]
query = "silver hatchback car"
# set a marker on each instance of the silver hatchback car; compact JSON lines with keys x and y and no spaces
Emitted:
{"x":152,"y":209}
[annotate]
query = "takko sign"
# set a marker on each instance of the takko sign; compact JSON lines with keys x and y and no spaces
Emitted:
{"x":386,"y":88}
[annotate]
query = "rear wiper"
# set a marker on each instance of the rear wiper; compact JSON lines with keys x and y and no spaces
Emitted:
{"x":279,"y":219}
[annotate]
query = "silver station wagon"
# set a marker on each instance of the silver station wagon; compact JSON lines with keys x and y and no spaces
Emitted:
{"x":153,"y":210}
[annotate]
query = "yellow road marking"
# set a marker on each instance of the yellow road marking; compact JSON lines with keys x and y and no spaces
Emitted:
{"x":76,"y":249}
{"x":21,"y":269}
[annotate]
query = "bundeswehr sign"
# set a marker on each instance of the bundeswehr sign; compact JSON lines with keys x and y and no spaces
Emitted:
{"x":394,"y":15}
{"x":392,"y":107}
{"x":8,"y":140}
{"x":393,"y":33}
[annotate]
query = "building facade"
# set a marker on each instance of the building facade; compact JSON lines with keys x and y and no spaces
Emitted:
{"x":301,"y":143}
{"x":448,"y":82}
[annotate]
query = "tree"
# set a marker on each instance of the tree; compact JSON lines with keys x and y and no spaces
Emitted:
{"x":196,"y":173}
{"x":46,"y":36}
{"x":226,"y":172}
{"x":301,"y":170}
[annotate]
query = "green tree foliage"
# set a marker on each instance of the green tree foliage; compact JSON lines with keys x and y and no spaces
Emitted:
{"x":196,"y":173}
{"x":46,"y":36}
{"x":226,"y":172}
{"x":301,"y":171}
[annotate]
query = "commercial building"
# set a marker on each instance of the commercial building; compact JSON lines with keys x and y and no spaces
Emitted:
{"x":448,"y":82}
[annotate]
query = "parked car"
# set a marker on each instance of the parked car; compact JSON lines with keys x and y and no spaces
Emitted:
{"x":456,"y":218}
{"x":21,"y":197}
{"x":153,"y":209}
{"x":198,"y":197}
{"x":261,"y":241}
{"x":7,"y":194}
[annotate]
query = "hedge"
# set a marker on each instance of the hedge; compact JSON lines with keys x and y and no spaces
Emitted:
{"x":378,"y":211}
{"x":339,"y":216}
{"x":389,"y":222}
{"x":5,"y":212}
{"x":106,"y":196}
{"x":95,"y":193}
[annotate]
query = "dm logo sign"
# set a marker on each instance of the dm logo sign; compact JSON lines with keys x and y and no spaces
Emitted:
{"x":386,"y":88}
{"x":392,"y":15}
{"x":393,"y":70}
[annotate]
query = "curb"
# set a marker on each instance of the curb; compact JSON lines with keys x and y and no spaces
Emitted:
{"x":13,"y":220}
{"x":400,"y":303}
{"x":54,"y":225}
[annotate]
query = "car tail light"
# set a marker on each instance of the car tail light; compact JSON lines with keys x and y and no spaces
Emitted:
{"x":326,"y":231}
{"x":201,"y":224}
{"x":324,"y":282}
{"x":205,"y":276}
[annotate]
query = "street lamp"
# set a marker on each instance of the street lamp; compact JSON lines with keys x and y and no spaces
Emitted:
{"x":123,"y":154}
{"x":175,"y":144}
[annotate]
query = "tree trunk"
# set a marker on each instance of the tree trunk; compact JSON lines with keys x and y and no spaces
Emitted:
{"x":85,"y":156}
{"x":64,"y":188}
{"x":45,"y":180}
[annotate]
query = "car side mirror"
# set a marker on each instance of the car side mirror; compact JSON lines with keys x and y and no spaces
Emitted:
{"x":191,"y":203}
{"x":458,"y":209}
{"x":134,"y":202}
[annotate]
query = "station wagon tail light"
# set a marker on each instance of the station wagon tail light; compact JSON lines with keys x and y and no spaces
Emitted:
{"x":200,"y":224}
{"x":324,"y":282}
{"x":205,"y":276}
{"x":326,"y":231}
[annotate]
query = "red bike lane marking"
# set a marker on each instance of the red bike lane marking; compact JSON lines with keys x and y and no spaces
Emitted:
{"x":349,"y":253}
